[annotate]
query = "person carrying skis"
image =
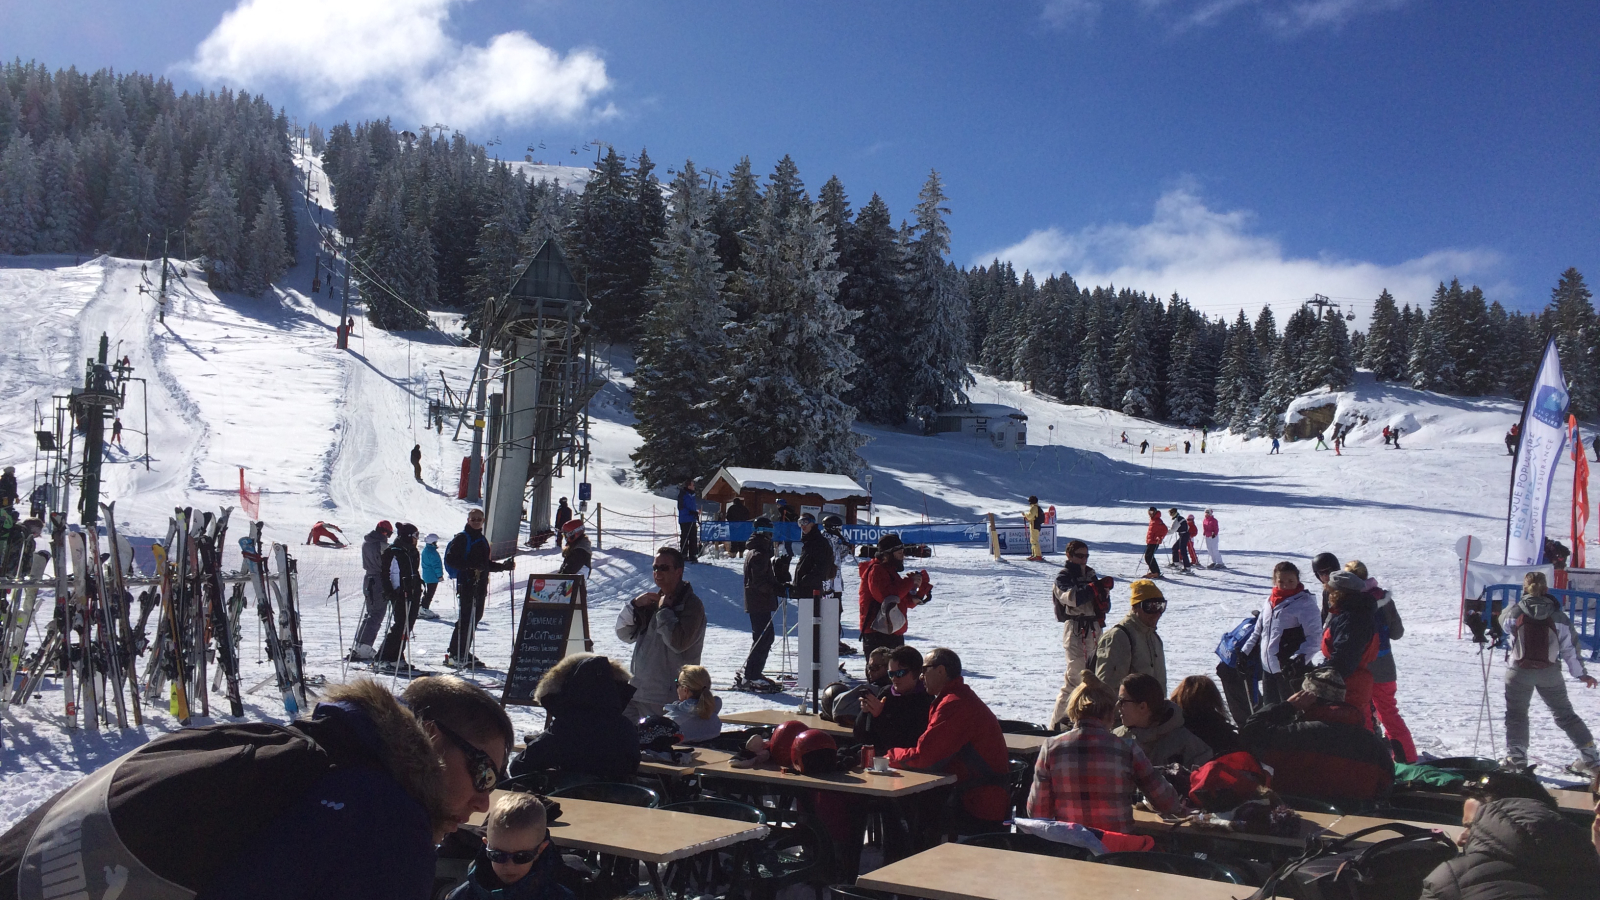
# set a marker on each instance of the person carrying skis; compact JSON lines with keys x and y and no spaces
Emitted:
{"x":432,"y":568}
{"x":1081,"y":600}
{"x":325,"y":535}
{"x":372,"y":547}
{"x":886,"y":595}
{"x":689,"y":521}
{"x":761,"y":589}
{"x":1034,"y":518}
{"x":563,"y":514}
{"x":1153,"y":536}
{"x":402,"y":588}
{"x":416,"y":462}
{"x":468,"y":559}
{"x":1180,"y":541}
{"x":1210,"y":530}
{"x":1542,"y":639}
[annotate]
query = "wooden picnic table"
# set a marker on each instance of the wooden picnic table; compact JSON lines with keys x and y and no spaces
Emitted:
{"x":651,"y":836}
{"x":702,"y":756}
{"x":1576,"y":801}
{"x":896,"y":783}
{"x":1017,"y":745}
{"x":1311,"y":824}
{"x":964,"y":872}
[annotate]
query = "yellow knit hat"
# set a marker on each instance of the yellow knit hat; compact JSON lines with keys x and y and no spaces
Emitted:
{"x":1144,"y":589}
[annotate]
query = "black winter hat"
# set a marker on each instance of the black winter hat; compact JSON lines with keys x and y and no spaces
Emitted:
{"x":890,"y":543}
{"x":763,"y":524}
{"x":1324,"y":563}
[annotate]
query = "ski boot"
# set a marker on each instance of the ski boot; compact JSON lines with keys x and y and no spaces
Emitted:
{"x":361,"y":653}
{"x":426,"y":613}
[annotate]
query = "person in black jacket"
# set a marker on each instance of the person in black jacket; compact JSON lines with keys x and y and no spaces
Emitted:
{"x":563,"y":515}
{"x":1518,"y":848}
{"x":585,"y":695}
{"x":899,"y":717}
{"x":816,"y":567}
{"x":402,"y":587}
{"x":761,"y":589}
{"x":372,"y":548}
{"x":1316,"y":746}
{"x":469,"y":555}
{"x":579,"y":553}
{"x":736,"y":512}
{"x":1180,"y":540}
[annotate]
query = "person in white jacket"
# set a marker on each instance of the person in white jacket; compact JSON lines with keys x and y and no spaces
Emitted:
{"x":1541,"y":640}
{"x":833,"y":530}
{"x":1288,"y":633}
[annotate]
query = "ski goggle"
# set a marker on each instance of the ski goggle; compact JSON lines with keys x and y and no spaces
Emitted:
{"x":518,"y":858}
{"x":1153,"y":606}
{"x":485,"y":774}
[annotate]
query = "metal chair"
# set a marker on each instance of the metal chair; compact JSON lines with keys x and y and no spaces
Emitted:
{"x":611,"y":792}
{"x":1172,"y":864}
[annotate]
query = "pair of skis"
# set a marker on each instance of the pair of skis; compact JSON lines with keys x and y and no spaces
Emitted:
{"x":281,"y":630}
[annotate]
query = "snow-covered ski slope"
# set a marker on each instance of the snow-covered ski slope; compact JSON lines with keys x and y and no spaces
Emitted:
{"x":236,"y":381}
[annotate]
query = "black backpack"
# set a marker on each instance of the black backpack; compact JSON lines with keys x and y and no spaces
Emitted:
{"x":1343,"y":869}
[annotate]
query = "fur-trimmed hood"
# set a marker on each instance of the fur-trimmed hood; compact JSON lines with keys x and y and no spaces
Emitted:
{"x":585,"y":683}
{"x":402,"y":744}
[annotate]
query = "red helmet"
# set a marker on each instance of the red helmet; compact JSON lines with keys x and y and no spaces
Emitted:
{"x":815,"y":752}
{"x":571,"y":525}
{"x":782,"y":738}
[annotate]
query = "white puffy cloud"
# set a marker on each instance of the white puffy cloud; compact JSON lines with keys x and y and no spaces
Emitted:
{"x":1287,"y":17}
{"x":395,"y":55}
{"x":1214,"y":260}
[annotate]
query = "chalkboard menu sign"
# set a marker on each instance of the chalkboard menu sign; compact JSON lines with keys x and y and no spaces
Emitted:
{"x":554,"y":623}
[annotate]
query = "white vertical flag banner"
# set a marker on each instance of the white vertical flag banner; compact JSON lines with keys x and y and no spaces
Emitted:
{"x":1544,"y":435}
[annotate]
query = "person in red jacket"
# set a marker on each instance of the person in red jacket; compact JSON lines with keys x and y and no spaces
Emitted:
{"x":963,"y":739}
{"x":886,"y":595}
{"x":1194,"y":558}
{"x":1153,"y":536}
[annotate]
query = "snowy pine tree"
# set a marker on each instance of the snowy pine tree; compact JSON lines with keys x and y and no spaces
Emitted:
{"x":738,"y":210}
{"x":683,"y":347}
{"x":1094,"y":371}
{"x":21,"y":204}
{"x":264,"y":257}
{"x":1135,"y":386}
{"x":1239,"y":381}
{"x":1186,"y":396}
{"x":1429,"y":367}
{"x":1330,"y":363}
{"x":1385,"y":352}
{"x":937,"y":298}
{"x":216,"y":234}
{"x":791,"y":360}
{"x":604,"y":249}
{"x":1570,"y":319}
{"x":872,"y":262}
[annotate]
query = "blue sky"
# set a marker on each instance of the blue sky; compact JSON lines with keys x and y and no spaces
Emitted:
{"x":1236,"y":151}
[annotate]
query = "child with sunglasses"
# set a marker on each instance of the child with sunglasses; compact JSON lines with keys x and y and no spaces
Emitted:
{"x":519,"y":861}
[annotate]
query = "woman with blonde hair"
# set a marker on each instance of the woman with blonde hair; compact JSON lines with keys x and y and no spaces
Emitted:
{"x":696,"y":708}
{"x":1088,"y":775}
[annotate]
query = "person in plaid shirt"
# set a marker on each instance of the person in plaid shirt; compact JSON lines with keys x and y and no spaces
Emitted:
{"x":1088,"y":774}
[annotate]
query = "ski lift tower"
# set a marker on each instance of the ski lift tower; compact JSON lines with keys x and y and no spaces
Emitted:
{"x":535,"y":424}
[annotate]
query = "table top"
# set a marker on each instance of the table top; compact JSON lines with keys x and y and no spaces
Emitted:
{"x":635,"y":832}
{"x":897,"y":783}
{"x":1146,"y":822}
{"x":1579,"y":801}
{"x":964,"y":872}
{"x":1016,"y":744}
{"x":1352,"y":824}
{"x":702,"y":756}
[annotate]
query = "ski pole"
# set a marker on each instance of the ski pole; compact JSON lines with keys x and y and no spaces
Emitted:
{"x":338,"y":617}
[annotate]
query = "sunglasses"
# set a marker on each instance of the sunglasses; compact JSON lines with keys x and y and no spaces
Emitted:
{"x":1084,"y":555}
{"x":485,"y":774}
{"x":899,"y":673}
{"x":520,"y":857}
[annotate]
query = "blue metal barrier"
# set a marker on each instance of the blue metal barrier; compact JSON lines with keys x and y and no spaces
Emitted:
{"x":1582,"y":607}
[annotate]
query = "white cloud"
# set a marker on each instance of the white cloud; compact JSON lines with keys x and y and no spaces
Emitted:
{"x":1288,"y":17}
{"x":394,"y":55}
{"x":1214,"y":260}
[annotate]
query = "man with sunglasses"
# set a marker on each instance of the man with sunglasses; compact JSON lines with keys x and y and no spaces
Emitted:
{"x":1133,"y":645}
{"x":1081,"y":600}
{"x":356,"y":796}
{"x":667,"y":628}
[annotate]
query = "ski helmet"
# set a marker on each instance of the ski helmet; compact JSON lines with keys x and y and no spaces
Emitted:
{"x":1324,"y":563}
{"x":832,"y":522}
{"x":782,"y":739}
{"x":571,"y":526}
{"x":763,"y":524}
{"x":815,"y":752}
{"x":658,"y":733}
{"x":829,"y":694}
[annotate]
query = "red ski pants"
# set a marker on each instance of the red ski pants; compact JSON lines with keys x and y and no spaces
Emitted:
{"x":1389,"y":715}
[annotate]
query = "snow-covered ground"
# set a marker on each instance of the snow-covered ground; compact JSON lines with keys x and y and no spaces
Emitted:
{"x":325,"y":434}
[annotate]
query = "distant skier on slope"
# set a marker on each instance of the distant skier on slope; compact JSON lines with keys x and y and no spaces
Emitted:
{"x":1516,"y":432}
{"x":1143,"y":446}
{"x":416,"y":462}
{"x":1180,"y":540}
{"x":1274,"y":447}
{"x":1396,"y":433}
